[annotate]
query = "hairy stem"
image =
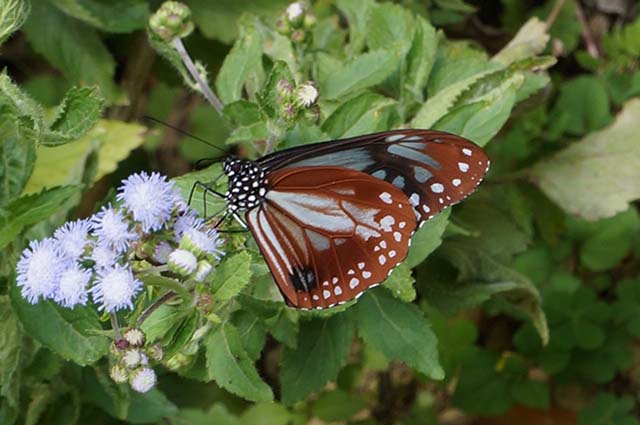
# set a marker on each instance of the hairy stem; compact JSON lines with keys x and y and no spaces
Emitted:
{"x":204,"y":87}
{"x":116,"y":328}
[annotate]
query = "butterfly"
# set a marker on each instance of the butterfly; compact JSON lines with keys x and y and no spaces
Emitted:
{"x":333,"y":219}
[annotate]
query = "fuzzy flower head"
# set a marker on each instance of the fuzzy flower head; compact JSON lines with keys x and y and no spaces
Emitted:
{"x":161,"y":252}
{"x":295,"y":11}
{"x":143,"y":379}
{"x":202,"y":243}
{"x":111,"y":228}
{"x":135,"y":337}
{"x":115,"y":289}
{"x":40,"y":268}
{"x":188,"y":220}
{"x":103,"y":256}
{"x":182,"y":262}
{"x":72,"y":237}
{"x":306,"y":94}
{"x":149,"y":198}
{"x":72,"y":289}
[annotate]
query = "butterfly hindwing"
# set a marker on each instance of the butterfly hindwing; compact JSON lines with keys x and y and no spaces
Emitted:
{"x":329,"y":233}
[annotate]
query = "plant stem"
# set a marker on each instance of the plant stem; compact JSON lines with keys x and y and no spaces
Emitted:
{"x":115,"y":326}
{"x":554,"y":13}
{"x":204,"y":87}
{"x":153,"y":307}
{"x":592,"y":47}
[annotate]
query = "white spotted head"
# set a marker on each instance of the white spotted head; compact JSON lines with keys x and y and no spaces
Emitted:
{"x":247,"y":184}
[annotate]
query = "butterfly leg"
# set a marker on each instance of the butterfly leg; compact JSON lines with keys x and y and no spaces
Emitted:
{"x":206,"y":188}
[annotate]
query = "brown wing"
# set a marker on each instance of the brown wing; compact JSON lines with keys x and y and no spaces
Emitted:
{"x":329,"y":233}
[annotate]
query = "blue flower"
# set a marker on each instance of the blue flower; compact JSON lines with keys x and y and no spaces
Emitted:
{"x":143,"y":380}
{"x":115,"y":289}
{"x":103,"y":256}
{"x":149,"y":198}
{"x":39,"y":269}
{"x":72,"y":237}
{"x":73,"y":287}
{"x":188,"y":220}
{"x":111,"y":228}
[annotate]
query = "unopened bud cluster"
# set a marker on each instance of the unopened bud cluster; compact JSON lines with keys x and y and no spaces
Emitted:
{"x":131,"y":356}
{"x":171,"y":20}
{"x":298,"y":100}
{"x":296,"y":22}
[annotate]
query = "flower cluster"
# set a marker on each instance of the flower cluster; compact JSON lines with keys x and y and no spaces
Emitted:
{"x":131,"y":357}
{"x":172,"y":19}
{"x":296,"y":22}
{"x":92,"y":258}
{"x":297,"y":100}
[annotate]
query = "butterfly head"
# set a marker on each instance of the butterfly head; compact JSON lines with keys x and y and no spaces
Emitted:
{"x":247,"y":183}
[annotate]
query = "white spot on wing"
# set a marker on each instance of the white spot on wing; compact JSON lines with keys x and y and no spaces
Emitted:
{"x":386,"y":197}
{"x":387,"y":222}
{"x":437,"y":188}
{"x":353,"y":283}
{"x":337,"y":290}
{"x":382,"y":259}
{"x":326,"y":294}
{"x":466,"y":151}
{"x":414,"y":199}
{"x":392,"y":253}
{"x":456,"y":182}
{"x":394,"y":138}
{"x":361,"y":265}
{"x":463,"y":166}
{"x":397,"y":236}
{"x":366,"y":274}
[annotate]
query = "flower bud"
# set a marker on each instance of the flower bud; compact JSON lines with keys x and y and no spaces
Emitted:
{"x":156,"y":352}
{"x":310,"y":21}
{"x":203,"y":271}
{"x":131,"y":358}
{"x":283,"y":26}
{"x":306,"y":94}
{"x":298,"y":36}
{"x":135,"y":337}
{"x":119,"y":374}
{"x":295,"y":13}
{"x":178,"y":361}
{"x":172,"y":19}
{"x":284,"y":89}
{"x":182,"y":262}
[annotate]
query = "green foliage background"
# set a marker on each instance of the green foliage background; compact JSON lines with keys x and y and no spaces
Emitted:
{"x":520,"y":305}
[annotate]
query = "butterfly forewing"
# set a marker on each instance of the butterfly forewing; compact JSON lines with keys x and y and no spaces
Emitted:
{"x":329,"y":233}
{"x":432,"y":168}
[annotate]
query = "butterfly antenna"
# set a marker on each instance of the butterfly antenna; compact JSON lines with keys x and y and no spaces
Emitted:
{"x":184,"y":133}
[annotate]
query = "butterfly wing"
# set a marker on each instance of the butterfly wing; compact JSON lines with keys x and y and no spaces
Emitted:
{"x":434,"y":169}
{"x":329,"y":233}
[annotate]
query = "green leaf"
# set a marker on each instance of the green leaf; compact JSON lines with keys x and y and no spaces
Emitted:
{"x":78,"y":112}
{"x":357,"y":13}
{"x":337,"y":405}
{"x":627,"y":306}
{"x":71,"y":333}
{"x":71,"y":46}
{"x":530,"y":40}
{"x":243,"y":59}
{"x":150,"y":407}
{"x":10,"y":349}
{"x":399,"y":330}
{"x":13,"y":13}
{"x":112,"y":140}
{"x":268,"y":97}
{"x":608,"y":409}
{"x":482,"y":120}
{"x":113,"y":16}
{"x":230,"y":366}
{"x":17,"y":157}
{"x":219,"y":19}
{"x":21,"y":104}
{"x":480,"y":278}
{"x":390,"y":26}
{"x":441,"y":103}
{"x":30,"y":209}
{"x":363,"y":71}
{"x":231,"y":276}
{"x":611,"y":242}
{"x":252,"y":332}
{"x":582,"y":106}
{"x":266,"y":413}
{"x":363,"y":114}
{"x":421,"y":57}
{"x":427,"y":239}
{"x":400,"y":283}
{"x":323,"y":342}
{"x":596,"y":177}
{"x":160,"y":322}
